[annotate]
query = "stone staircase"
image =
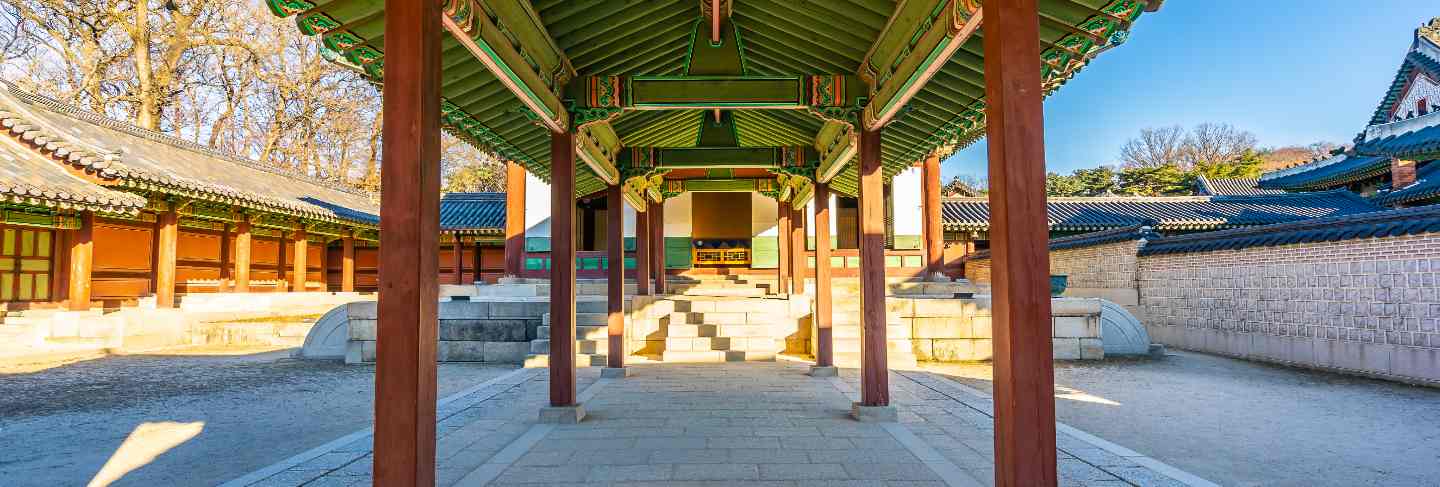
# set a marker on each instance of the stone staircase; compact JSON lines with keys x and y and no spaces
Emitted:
{"x":845,"y":334}
{"x":591,"y":335}
{"x":719,"y":285}
{"x":726,"y":329}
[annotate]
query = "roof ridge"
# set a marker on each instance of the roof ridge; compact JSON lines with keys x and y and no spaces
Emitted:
{"x":1383,"y":223}
{"x":93,"y":118}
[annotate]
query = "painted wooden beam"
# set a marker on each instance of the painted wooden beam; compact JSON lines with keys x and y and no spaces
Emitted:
{"x":824,"y":341}
{"x":930,"y":216}
{"x":409,"y":265}
{"x":167,"y":232}
{"x":507,"y":36}
{"x":615,"y":278}
{"x":82,"y":260}
{"x":514,"y":218}
{"x":1024,"y":369}
{"x":874,"y":368}
{"x":822,"y":93}
{"x":919,"y":39}
{"x":562,"y":269}
{"x":598,"y":146}
{"x":836,"y":147}
{"x":347,"y":263}
{"x":242,"y":256}
{"x":804,"y":190}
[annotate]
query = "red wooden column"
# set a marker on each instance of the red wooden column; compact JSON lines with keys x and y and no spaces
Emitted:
{"x":615,"y":277}
{"x":562,"y":271}
{"x":824,"y":348}
{"x":458,"y":260}
{"x":1024,"y":373}
{"x":242,"y":256}
{"x":798,"y":257}
{"x":642,"y":251}
{"x":410,"y":233}
{"x":782,"y":237}
{"x":82,"y":260}
{"x":298,"y":272}
{"x":225,"y":273}
{"x":514,"y":219}
{"x":934,"y":234}
{"x":347,"y":263}
{"x":167,"y":232}
{"x":874,"y":369}
{"x":657,"y":248}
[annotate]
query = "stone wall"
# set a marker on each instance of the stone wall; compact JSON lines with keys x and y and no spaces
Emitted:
{"x":1366,"y":306}
{"x":495,"y":330}
{"x":1108,"y":271}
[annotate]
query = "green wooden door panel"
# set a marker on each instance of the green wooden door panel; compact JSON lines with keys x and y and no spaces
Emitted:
{"x":537,"y":244}
{"x":677,"y":252}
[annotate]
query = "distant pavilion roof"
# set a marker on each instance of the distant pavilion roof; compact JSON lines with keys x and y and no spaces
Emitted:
{"x":1231,"y":187}
{"x":482,"y":213}
{"x":1330,"y":172}
{"x":1167,"y":213}
{"x":1425,"y":189}
{"x":1102,"y":237}
{"x":115,"y":156}
{"x":1388,"y":223}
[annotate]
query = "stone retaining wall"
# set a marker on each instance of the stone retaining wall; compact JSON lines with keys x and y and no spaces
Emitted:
{"x":495,"y":330}
{"x":1108,"y":271}
{"x":1366,"y":306}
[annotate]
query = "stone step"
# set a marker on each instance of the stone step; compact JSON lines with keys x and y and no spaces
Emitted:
{"x":716,"y":356}
{"x":539,"y":346}
{"x":730,"y":305}
{"x":714,"y":330}
{"x":717,"y":291}
{"x":581,"y":332}
{"x":687,"y":344}
{"x":541,"y":360}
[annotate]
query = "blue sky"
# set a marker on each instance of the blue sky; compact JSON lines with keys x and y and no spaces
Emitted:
{"x":1291,"y":71}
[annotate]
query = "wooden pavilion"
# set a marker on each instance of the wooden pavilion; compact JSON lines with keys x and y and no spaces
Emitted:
{"x":802,"y":98}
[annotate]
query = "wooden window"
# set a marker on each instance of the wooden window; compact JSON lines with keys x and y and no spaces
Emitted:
{"x":26,"y":256}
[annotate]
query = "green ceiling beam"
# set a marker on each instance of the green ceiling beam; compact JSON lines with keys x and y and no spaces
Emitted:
{"x":837,"y":146}
{"x":716,"y":157}
{"x":920,"y":39}
{"x":722,"y":185}
{"x":508,"y":37}
{"x":815,"y":92}
{"x":598,"y":147}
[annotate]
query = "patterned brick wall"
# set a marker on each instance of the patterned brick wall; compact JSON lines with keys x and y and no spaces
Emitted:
{"x":1367,"y":305}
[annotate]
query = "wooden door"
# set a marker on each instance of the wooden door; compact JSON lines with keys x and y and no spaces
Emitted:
{"x":26,"y":263}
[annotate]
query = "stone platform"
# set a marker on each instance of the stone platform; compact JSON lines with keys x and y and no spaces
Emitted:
{"x":758,"y":423}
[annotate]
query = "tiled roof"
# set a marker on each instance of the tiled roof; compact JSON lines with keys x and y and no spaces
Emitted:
{"x":142,"y":159}
{"x":1168,"y":213}
{"x":1422,"y":142}
{"x":1426,"y":186}
{"x":29,"y":178}
{"x":1327,"y":173}
{"x":1232,"y":187}
{"x":473,"y":212}
{"x":1391,"y":223}
{"x":1123,"y":234}
{"x":1415,"y":60}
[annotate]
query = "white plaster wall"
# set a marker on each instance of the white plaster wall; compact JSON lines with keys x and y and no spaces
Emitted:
{"x":629,"y":219}
{"x":906,"y":194}
{"x":763,"y":212}
{"x":677,"y":216}
{"x":810,"y":217}
{"x":1421,"y":87}
{"x":537,"y":207}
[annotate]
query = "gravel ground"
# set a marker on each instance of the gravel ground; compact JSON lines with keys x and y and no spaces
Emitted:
{"x":225,"y":414}
{"x":1250,"y":424}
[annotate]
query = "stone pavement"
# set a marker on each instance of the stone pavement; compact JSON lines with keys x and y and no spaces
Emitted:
{"x":720,"y":424}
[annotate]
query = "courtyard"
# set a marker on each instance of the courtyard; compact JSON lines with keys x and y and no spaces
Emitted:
{"x":1218,"y":419}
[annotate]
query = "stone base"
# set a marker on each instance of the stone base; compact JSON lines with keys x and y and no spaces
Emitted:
{"x":829,"y":371}
{"x":563,"y":414}
{"x":614,"y":372}
{"x":874,"y":414}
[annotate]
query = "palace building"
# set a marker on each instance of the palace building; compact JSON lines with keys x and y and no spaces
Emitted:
{"x":1393,"y":159}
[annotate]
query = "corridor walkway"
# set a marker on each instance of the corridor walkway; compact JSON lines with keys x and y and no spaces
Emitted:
{"x":706,"y":424}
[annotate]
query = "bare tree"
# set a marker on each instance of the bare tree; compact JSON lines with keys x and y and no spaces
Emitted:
{"x":1154,"y":147}
{"x":1215,"y":143}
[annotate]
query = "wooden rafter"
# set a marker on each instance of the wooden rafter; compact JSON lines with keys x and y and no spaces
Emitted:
{"x":920,"y":38}
{"x":511,"y":54}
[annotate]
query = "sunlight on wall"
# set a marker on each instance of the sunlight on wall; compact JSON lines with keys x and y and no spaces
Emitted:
{"x":146,"y":442}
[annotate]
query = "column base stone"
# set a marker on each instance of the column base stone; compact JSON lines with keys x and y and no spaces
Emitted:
{"x":614,"y":372}
{"x":826,"y":371}
{"x":874,"y":414}
{"x":562,"y":414}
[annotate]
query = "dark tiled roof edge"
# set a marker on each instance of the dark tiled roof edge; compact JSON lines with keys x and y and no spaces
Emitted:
{"x":1390,"y":223}
{"x":93,"y":118}
{"x":1124,"y":234}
